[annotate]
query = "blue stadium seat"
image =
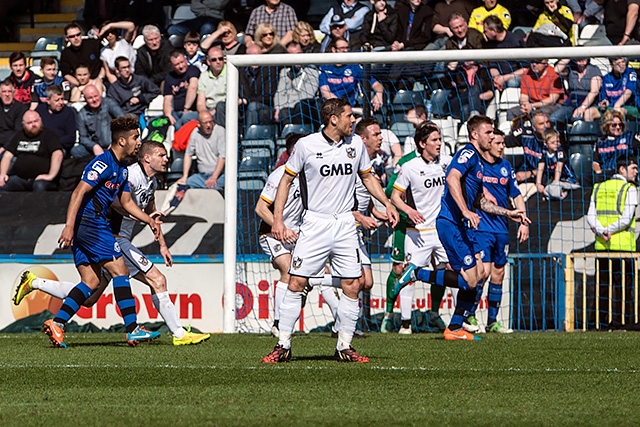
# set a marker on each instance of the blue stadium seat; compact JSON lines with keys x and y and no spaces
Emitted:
{"x":258,"y":143}
{"x":440,"y":103}
{"x":260,"y":132}
{"x":404,"y":100}
{"x":252,"y":180}
{"x":402,"y":129}
{"x":583,"y":132}
{"x":581,"y":165}
{"x":293,"y":128}
{"x":48,"y":46}
{"x":256,"y":159}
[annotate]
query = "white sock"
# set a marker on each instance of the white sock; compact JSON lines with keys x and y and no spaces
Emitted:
{"x":167,"y":310}
{"x":315,"y":281}
{"x":281,"y":288}
{"x":289,"y":315}
{"x":348,"y":315}
{"x":406,"y":301}
{"x":53,"y":287}
{"x":329,"y":295}
{"x":329,"y":280}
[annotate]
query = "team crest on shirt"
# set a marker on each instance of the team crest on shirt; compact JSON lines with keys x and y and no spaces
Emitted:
{"x":277,"y":247}
{"x":465,"y":156}
{"x":297,"y":262}
{"x":348,"y":72}
{"x":92,"y":175}
{"x":407,"y":257}
{"x":351,"y":152}
{"x":116,"y":247}
{"x":396,"y":252}
{"x":504,"y":171}
{"x":319,"y":156}
{"x":468,"y":260}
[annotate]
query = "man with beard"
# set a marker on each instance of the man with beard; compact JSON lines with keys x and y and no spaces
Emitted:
{"x":38,"y":156}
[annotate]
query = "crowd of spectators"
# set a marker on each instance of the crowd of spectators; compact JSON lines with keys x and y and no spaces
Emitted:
{"x":103,"y":76}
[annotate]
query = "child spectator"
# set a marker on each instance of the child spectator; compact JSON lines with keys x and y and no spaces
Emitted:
{"x":83,"y":76}
{"x":554,"y":169}
{"x":192,"y":50}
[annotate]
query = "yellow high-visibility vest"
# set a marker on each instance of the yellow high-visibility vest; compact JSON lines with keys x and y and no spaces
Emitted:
{"x":610,"y":197}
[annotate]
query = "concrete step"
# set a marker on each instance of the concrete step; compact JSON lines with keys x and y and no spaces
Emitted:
{"x":71,"y":6}
{"x":7,"y":48}
{"x":45,"y":19}
{"x":33,"y":34}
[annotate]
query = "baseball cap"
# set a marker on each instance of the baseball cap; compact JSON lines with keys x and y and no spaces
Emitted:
{"x":337,"y":21}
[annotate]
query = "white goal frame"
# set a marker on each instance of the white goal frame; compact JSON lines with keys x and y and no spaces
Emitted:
{"x":233,"y":62}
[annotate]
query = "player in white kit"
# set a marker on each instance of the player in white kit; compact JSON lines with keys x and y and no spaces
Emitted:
{"x":421,"y":181}
{"x":326,"y":163}
{"x":152,"y":160}
{"x":280,"y":253}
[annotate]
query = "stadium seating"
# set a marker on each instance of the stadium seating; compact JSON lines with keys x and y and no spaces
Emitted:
{"x":260,"y":132}
{"x":402,"y":129}
{"x":583,"y":132}
{"x":256,"y":159}
{"x":48,"y":46}
{"x":293,"y":128}
{"x":252,"y":180}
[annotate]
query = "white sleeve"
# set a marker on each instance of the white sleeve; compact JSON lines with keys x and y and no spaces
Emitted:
{"x":592,"y":218}
{"x":296,"y":161}
{"x":402,"y":182}
{"x":628,"y":213}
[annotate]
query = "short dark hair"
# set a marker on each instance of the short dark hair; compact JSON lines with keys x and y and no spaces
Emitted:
{"x":423,"y":131}
{"x":333,"y":107}
{"x":192,"y":37}
{"x":81,"y":65}
{"x":420,"y":110}
{"x":7,"y":82}
{"x":17,"y":56}
{"x":53,"y":90}
{"x":498,"y":132}
{"x":335,"y":41}
{"x":494,"y":23}
{"x":291,"y":44}
{"x":120,"y":59}
{"x":176,"y":53}
{"x":363,"y":124}
{"x":624,"y":161}
{"x":47,"y":60}
{"x":476,"y":121}
{"x":71,"y":25}
{"x":291,"y":140}
{"x":147,"y":147}
{"x":121,"y":126}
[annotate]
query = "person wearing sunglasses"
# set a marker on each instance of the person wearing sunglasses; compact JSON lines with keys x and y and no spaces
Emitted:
{"x":267,"y":38}
{"x":79,"y":51}
{"x":616,"y":142}
{"x":212,"y":86}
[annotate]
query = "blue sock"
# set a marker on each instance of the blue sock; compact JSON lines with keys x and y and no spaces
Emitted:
{"x":72,"y":303}
{"x":479,"y":288}
{"x":464,"y":305}
{"x":495,"y":296}
{"x":451,"y":279}
{"x":125,"y":301}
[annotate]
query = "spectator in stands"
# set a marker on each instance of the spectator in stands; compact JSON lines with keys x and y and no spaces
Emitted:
{"x":208,"y":144}
{"x":584,"y":82}
{"x":50,"y":77}
{"x":585,"y":13}
{"x":258,"y":85}
{"x":380,"y":27}
{"x":490,"y":8}
{"x":93,"y":123}
{"x":59,"y":118}
{"x":531,"y":139}
{"x":342,"y":81}
{"x":352,"y":12}
{"x":337,"y":28}
{"x":38,"y":156}
{"x":540,"y":88}
{"x":212,"y":86}
{"x":152,"y":59}
{"x":22,"y":78}
{"x":618,"y":92}
{"x":554,"y":175}
{"x":208,"y":13}
{"x":180,"y":91}
{"x":616,"y":142}
{"x":304,"y":35}
{"x":79,"y":51}
{"x":612,"y":219}
{"x":554,"y":27}
{"x":414,"y":25}
{"x":615,"y":13}
{"x":192,"y":52}
{"x":267,"y":38}
{"x":462,"y":37}
{"x":294,"y":100}
{"x":416,"y":116}
{"x":133,"y":93}
{"x":281,"y":16}
{"x":10,"y":114}
{"x":505,"y":73}
{"x":227,"y":36}
{"x":471,"y":86}
{"x":83,"y":79}
{"x":440,"y":23}
{"x":116,"y":46}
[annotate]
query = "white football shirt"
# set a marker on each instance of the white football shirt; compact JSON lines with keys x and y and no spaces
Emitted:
{"x":142,"y":192}
{"x":293,"y":206}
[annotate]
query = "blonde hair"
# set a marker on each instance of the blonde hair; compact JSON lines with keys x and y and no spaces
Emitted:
{"x":262,"y":28}
{"x":607,"y":119}
{"x":548,"y":134}
{"x":300,"y":27}
{"x":234,"y":30}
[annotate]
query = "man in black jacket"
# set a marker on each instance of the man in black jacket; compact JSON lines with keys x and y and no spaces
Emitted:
{"x":10,"y":114}
{"x":152,"y":60}
{"x":133,"y":93}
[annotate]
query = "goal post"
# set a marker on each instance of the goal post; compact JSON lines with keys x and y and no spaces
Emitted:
{"x":235,"y":62}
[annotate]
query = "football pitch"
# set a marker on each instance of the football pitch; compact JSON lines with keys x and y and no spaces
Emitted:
{"x":520,"y":379}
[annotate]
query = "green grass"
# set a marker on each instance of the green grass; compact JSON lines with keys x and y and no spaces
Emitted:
{"x":520,"y":379}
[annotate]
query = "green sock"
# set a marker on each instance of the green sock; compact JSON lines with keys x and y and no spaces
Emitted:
{"x":437,"y":293}
{"x":391,"y":280}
